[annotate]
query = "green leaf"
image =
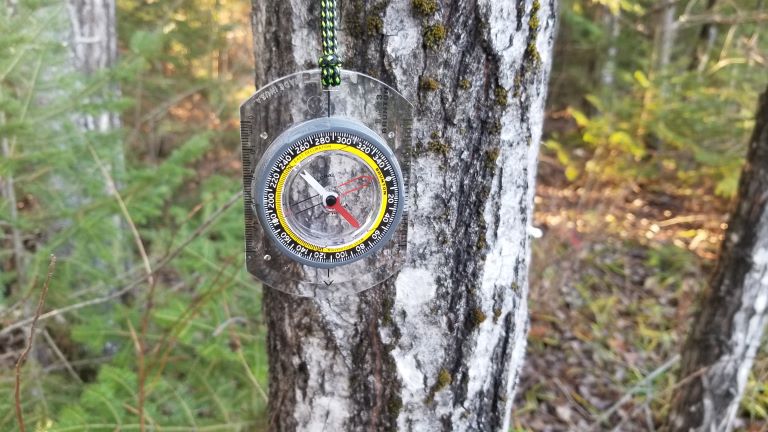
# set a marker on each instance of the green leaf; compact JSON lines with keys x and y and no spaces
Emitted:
{"x":581,"y":119}
{"x":642,"y":79}
{"x":728,"y":186}
{"x":571,"y":173}
{"x":627,"y":143}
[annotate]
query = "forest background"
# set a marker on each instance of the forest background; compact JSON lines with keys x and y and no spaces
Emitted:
{"x":650,"y":108}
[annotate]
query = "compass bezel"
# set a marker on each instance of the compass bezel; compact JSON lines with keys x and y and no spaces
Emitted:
{"x":303,"y":136}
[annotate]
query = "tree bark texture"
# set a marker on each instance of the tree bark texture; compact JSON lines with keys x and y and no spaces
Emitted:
{"x":726,"y":333}
{"x":439,"y":346}
{"x":666,"y":33}
{"x":93,"y":47}
{"x":612,"y":24}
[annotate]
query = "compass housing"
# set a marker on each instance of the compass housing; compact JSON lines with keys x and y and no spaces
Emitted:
{"x":360,"y":174}
{"x":360,"y":163}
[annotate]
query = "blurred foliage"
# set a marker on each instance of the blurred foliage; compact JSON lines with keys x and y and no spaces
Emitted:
{"x":647,"y":150}
{"x":192,"y":345}
{"x":634,"y":121}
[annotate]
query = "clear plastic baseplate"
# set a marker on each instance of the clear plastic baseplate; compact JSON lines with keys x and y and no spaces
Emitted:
{"x":290,"y":101}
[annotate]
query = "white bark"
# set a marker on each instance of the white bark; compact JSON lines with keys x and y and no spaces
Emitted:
{"x":666,"y":35}
{"x":94,"y":48}
{"x":93,"y":44}
{"x":440,"y":346}
{"x":612,"y":23}
{"x":728,"y":328}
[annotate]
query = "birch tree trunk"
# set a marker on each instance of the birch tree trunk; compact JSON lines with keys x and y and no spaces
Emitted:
{"x":439,"y":346}
{"x":726,"y":333}
{"x":666,"y":33}
{"x":612,"y":24}
{"x":93,"y":45}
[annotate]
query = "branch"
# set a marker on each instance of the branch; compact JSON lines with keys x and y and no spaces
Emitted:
{"x":23,"y":356}
{"x":695,"y":20}
{"x":112,"y":190}
{"x":628,"y":395}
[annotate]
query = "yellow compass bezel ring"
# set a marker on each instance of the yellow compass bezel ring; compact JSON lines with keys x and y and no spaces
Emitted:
{"x":311,"y":152}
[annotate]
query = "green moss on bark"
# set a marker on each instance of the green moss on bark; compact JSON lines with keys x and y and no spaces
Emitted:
{"x":429,"y":84}
{"x":424,"y":7}
{"x":434,"y":36}
{"x":501,"y":96}
{"x":478,"y":316}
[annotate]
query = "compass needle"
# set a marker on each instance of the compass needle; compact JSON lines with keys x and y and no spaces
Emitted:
{"x":341,"y":210}
{"x":314,"y":184}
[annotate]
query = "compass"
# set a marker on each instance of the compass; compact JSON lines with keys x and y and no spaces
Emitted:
{"x":325,"y":181}
{"x":329,"y":192}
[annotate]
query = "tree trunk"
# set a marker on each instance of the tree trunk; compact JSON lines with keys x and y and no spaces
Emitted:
{"x":612,"y":24}
{"x":439,"y":346}
{"x":93,"y":44}
{"x":726,"y":333}
{"x":704,"y":43}
{"x":666,"y":33}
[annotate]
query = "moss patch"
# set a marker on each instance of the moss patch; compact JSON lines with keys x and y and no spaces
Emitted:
{"x":444,"y":379}
{"x":375,"y":25}
{"x":496,"y":315}
{"x":386,"y":311}
{"x":434,"y":36}
{"x":424,"y":7}
{"x":491,"y":156}
{"x":395,"y":405}
{"x":495,"y":128}
{"x":465,"y":84}
{"x":478,"y":316}
{"x":438,"y":147}
{"x":501,"y":96}
{"x":482,"y":243}
{"x":429,"y":84}
{"x":531,"y":52}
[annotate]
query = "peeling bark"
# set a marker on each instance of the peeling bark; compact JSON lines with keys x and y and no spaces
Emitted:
{"x":727,"y":330}
{"x":439,"y":346}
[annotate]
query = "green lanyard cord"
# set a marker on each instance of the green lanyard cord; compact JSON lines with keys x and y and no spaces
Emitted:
{"x":330,"y":64}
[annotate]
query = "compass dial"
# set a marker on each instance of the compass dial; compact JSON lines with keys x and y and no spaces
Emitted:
{"x":329,"y":197}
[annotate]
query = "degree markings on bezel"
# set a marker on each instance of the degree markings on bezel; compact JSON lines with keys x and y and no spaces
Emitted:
{"x":376,"y":160}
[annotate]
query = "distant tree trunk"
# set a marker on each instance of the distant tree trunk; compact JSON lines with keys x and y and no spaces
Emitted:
{"x":666,"y":33}
{"x":612,"y":23}
{"x":93,"y":46}
{"x":704,"y":43}
{"x":438,"y":347}
{"x":727,"y":329}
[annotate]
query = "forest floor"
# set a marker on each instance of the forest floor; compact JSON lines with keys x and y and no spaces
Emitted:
{"x":613,"y":288}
